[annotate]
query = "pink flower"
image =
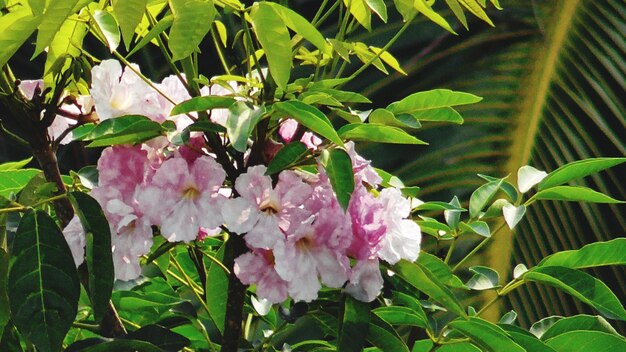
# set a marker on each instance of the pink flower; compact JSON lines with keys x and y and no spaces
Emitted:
{"x":118,"y":92}
{"x":257,"y":267}
{"x":365,"y":280}
{"x":182,"y":197}
{"x":402,"y":240}
{"x":313,"y":252}
{"x":368,"y":227}
{"x":124,"y":168}
{"x":263,"y":212}
{"x":363,"y":171}
{"x":288,"y":130}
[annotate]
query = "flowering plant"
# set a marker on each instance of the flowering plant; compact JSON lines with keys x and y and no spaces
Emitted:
{"x":234,"y":212}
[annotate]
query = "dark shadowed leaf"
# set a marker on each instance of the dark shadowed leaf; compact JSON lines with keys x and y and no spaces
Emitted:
{"x":287,"y":157}
{"x":353,"y":327}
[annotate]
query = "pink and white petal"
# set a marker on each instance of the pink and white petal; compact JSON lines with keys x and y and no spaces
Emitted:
{"x":266,"y":233}
{"x":210,"y":210}
{"x":365,"y":281}
{"x":403,"y":242}
{"x":75,"y":238}
{"x":156,"y":203}
{"x":332,"y":267}
{"x":254,"y":185}
{"x":207,"y":174}
{"x":182,"y":223}
{"x":239,"y":215}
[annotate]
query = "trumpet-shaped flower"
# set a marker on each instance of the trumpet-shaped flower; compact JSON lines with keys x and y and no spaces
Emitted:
{"x":257,"y":267}
{"x":263,"y":212}
{"x":182,"y":197}
{"x":368,"y":226}
{"x":365,"y":280}
{"x":402,"y":240}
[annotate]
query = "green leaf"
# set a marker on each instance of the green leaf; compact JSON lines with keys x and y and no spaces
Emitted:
{"x":4,"y":299}
{"x":487,"y":335}
{"x":159,"y":27}
{"x":311,"y":118}
{"x":482,"y":196}
{"x":341,"y":95}
{"x":595,"y":254}
{"x":123,"y":130}
{"x":444,"y":114}
{"x":458,"y":347}
{"x":98,"y":251}
{"x":202,"y":104}
{"x":129,"y":14}
{"x":216,"y":290}
{"x":360,"y":11}
{"x":458,"y":11}
{"x":574,"y":194}
{"x":106,"y":345}
{"x":108,"y":26}
{"x":432,"y":99}
{"x":583,"y":341}
{"x":424,"y":9}
{"x":17,"y":26}
{"x":423,"y":346}
{"x":159,"y":336}
{"x":578,"y":322}
{"x":525,"y":339}
{"x":385,"y":117}
{"x":379,"y":8}
{"x":377,"y":133}
{"x":55,"y":14}
{"x":473,"y":7}
{"x":287,"y":157}
{"x":9,"y":340}
{"x":13,"y":181}
{"x":43,"y":283}
{"x":578,"y":169}
{"x":240,"y":123}
{"x":440,"y":270}
{"x":383,"y":336}
{"x":581,"y":285}
{"x":15,"y":165}
{"x":192,"y":21}
{"x":387,"y":58}
{"x":355,"y":319}
{"x":453,"y":216}
{"x":300,"y":25}
{"x":425,"y":281}
{"x":478,"y":227}
{"x":37,"y":189}
{"x":395,"y":315}
{"x":338,"y":166}
{"x":272,"y":33}
{"x":484,"y":278}
{"x":439,"y":206}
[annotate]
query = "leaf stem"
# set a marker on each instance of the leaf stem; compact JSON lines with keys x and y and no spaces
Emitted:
{"x":478,"y":247}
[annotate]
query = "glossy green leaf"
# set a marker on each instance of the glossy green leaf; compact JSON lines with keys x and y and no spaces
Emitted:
{"x":583,"y":341}
{"x":216,"y":290}
{"x":439,"y":206}
{"x":311,"y":118}
{"x":473,"y":7}
{"x":192,"y":21}
{"x":443,"y":114}
{"x":98,"y":254}
{"x":300,"y":25}
{"x":379,"y":8}
{"x":159,"y":336}
{"x":202,"y":104}
{"x":482,"y":196}
{"x":578,"y":322}
{"x":355,"y":319}
{"x":37,"y":189}
{"x":478,"y":227}
{"x":528,"y":176}
{"x":368,"y":132}
{"x":43,"y":285}
{"x":612,"y":252}
{"x":17,"y":26}
{"x":513,"y":215}
{"x":395,"y":315}
{"x":55,"y":14}
{"x":432,"y":99}
{"x":108,"y":26}
{"x":574,"y":194}
{"x":525,"y":339}
{"x":338,"y":166}
{"x":458,"y":347}
{"x":206,"y":126}
{"x":581,"y":285}
{"x":423,"y":345}
{"x":272,"y":33}
{"x":440,"y":270}
{"x":425,"y":281}
{"x":484,"y":278}
{"x":159,"y":27}
{"x":458,"y":11}
{"x":508,"y":318}
{"x":287,"y":157}
{"x":424,"y":8}
{"x":342,"y":95}
{"x":453,"y":216}
{"x":15,"y":165}
{"x":385,"y":117}
{"x":240,"y":123}
{"x":541,"y":326}
{"x":123,"y":130}
{"x":129,"y":14}
{"x":578,"y":169}
{"x":382,"y":335}
{"x":106,"y":345}
{"x":13,"y":181}
{"x":486,"y":335}
{"x":360,"y":11}
{"x":387,"y":58}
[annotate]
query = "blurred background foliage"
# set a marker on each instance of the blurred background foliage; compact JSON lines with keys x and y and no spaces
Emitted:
{"x":553,"y":77}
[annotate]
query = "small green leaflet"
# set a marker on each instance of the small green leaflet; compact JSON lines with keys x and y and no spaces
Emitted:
{"x":338,"y":166}
{"x":377,"y":133}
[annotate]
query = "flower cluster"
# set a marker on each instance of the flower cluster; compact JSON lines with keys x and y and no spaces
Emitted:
{"x":298,"y":235}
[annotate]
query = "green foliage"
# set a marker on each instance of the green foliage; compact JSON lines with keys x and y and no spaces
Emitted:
{"x":338,"y":167}
{"x":192,"y":21}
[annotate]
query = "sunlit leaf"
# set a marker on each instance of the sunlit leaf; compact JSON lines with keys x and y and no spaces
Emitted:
{"x":272,"y":33}
{"x":192,"y":21}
